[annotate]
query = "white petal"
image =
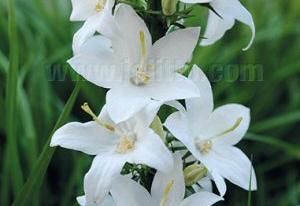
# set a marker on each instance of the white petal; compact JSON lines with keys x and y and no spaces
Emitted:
{"x":130,"y":24}
{"x":83,"y":9}
{"x":123,"y":103}
{"x":219,"y":181}
{"x":108,"y":201}
{"x":231,"y":163}
{"x":198,"y":109}
{"x":229,"y":11}
{"x":205,"y":185}
{"x":177,"y":124}
{"x":149,"y":112}
{"x":161,"y":180}
{"x":98,"y":180}
{"x":97,"y":22}
{"x":150,"y":150}
{"x":127,"y":192}
{"x":96,"y":63}
{"x":173,"y":50}
{"x":177,"y":87}
{"x":231,"y":119}
{"x":201,"y":199}
{"x":85,"y":32}
{"x":90,"y":138}
{"x":175,"y":104}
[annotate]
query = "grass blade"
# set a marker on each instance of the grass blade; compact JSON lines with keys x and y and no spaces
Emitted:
{"x":292,"y":150}
{"x":11,"y":101}
{"x":37,"y":174}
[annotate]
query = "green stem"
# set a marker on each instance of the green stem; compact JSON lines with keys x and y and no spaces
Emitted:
{"x":37,"y":174}
{"x":11,"y":101}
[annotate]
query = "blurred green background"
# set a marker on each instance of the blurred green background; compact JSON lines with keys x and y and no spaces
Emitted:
{"x":44,"y":83}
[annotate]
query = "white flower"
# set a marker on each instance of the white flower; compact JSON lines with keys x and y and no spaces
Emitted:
{"x":229,"y":11}
{"x":95,"y":13}
{"x":167,"y":190}
{"x":137,"y":72}
{"x":108,"y":201}
{"x":114,"y":145}
{"x":210,"y":135}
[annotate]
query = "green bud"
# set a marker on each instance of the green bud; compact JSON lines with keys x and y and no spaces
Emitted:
{"x":157,"y":126}
{"x":194,"y":173}
{"x":169,"y":6}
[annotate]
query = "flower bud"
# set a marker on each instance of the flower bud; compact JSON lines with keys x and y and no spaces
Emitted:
{"x":169,"y":6}
{"x":157,"y":127}
{"x":194,"y":173}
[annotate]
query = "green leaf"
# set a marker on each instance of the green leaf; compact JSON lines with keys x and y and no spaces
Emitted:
{"x":11,"y":102}
{"x":292,"y":150}
{"x":36,"y":176}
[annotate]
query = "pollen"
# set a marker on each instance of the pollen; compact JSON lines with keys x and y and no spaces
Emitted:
{"x":140,"y":78}
{"x":205,"y":146}
{"x":100,"y":5}
{"x":166,"y":193}
{"x":126,"y":144}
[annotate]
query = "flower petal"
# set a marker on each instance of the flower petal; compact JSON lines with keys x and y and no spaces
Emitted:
{"x":125,"y":102}
{"x":127,"y":192}
{"x":161,"y":180}
{"x":201,"y":199}
{"x":219,"y":181}
{"x":90,"y":138}
{"x":177,"y":87}
{"x":131,"y":25}
{"x":229,"y":10}
{"x":96,"y":63}
{"x":177,"y":124}
{"x":171,"y":53}
{"x":199,"y":109}
{"x":150,"y":150}
{"x":83,"y":9}
{"x":98,"y":180}
{"x":232,"y":164}
{"x":229,"y":122}
{"x":108,"y":201}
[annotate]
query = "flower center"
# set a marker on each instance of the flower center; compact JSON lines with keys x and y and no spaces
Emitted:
{"x":205,"y":146}
{"x":141,"y":75}
{"x":166,"y":193}
{"x":100,"y":5}
{"x":126,"y":144}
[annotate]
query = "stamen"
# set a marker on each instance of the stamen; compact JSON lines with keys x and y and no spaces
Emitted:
{"x":205,"y":146}
{"x":100,"y":5}
{"x":236,"y":125}
{"x":85,"y":107}
{"x":166,"y":193}
{"x":143,"y":45}
{"x":126,"y":144}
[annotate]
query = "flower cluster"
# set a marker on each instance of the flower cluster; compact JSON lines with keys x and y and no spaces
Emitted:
{"x":114,"y":50}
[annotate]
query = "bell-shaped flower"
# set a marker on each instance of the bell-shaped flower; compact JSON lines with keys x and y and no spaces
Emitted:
{"x":167,"y":190}
{"x":136,"y":72}
{"x":113,"y":145}
{"x":210,"y":135}
{"x":95,"y":14}
{"x":108,"y":201}
{"x":223,"y":18}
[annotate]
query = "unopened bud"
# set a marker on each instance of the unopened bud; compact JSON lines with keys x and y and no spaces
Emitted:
{"x":169,"y":6}
{"x":194,"y":173}
{"x":157,"y":127}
